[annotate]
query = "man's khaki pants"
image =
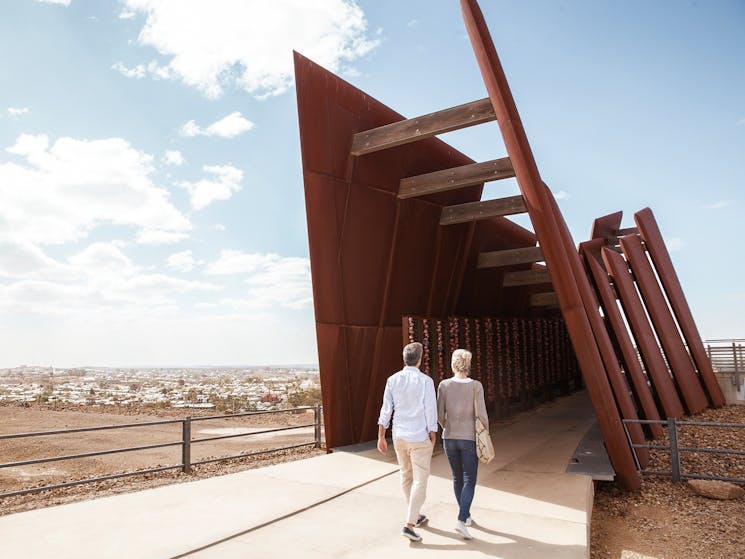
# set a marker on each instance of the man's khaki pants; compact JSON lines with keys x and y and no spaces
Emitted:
{"x":413,"y":461}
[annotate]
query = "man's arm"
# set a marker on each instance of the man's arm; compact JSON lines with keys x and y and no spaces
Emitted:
{"x":430,"y":409}
{"x":386,"y":411}
{"x":382,"y":443}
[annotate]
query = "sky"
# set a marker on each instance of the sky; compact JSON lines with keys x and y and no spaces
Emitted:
{"x":151,"y":196}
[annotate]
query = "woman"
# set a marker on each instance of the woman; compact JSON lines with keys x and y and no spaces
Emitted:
{"x":455,"y":397}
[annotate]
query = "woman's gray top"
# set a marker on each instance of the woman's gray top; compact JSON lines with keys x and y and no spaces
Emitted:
{"x":455,"y":408}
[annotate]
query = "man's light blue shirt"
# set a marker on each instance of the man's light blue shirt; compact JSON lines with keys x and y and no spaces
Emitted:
{"x":411,"y":394}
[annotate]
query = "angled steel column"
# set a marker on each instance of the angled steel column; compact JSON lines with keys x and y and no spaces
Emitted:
{"x":591,"y":252}
{"x":557,"y":259}
{"x":664,"y":325}
{"x":650,"y":232}
{"x":643,"y":333}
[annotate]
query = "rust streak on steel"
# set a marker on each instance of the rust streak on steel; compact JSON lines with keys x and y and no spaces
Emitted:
{"x":667,"y":331}
{"x":642,"y":331}
{"x":557,"y":259}
{"x":591,"y":252}
{"x":650,"y":232}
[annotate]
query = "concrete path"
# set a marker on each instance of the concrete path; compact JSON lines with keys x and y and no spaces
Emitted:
{"x":344,"y":504}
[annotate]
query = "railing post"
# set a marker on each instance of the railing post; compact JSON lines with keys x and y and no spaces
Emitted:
{"x":317,"y":418}
{"x":736,"y":376}
{"x":186,"y":445}
{"x":672,"y":430}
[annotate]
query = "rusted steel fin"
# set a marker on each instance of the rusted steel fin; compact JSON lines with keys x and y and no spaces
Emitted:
{"x":557,"y":255}
{"x":655,"y":245}
{"x":664,"y":325}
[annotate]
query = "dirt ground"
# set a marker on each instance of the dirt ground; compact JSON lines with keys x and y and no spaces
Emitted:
{"x":663,"y":520}
{"x":17,"y":419}
{"x":666,"y":520}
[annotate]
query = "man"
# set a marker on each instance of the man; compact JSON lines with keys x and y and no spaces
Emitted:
{"x":411,"y":395}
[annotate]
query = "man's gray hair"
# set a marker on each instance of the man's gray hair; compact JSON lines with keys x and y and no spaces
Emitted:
{"x":412,"y":353}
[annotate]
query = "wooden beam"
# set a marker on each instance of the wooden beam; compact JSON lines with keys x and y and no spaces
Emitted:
{"x":457,"y":177}
{"x":413,"y":129}
{"x":499,"y":258}
{"x":548,"y":299}
{"x":628,"y":231}
{"x":526,"y":277}
{"x":473,"y":211}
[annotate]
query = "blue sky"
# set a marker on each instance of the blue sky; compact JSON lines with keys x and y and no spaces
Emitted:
{"x":151,"y":200}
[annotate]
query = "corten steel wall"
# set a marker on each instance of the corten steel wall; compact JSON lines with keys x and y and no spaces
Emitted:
{"x":375,"y":257}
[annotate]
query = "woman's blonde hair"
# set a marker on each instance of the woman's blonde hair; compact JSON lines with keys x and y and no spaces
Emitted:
{"x":461,"y":361}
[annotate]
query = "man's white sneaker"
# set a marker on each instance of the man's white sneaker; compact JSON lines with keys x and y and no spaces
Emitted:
{"x":460,"y":527}
{"x":468,"y":521}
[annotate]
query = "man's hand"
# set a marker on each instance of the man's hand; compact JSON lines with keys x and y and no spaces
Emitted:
{"x":382,"y":445}
{"x":433,"y":437}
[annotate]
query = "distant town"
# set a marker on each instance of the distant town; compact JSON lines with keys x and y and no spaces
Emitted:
{"x":222,"y":389}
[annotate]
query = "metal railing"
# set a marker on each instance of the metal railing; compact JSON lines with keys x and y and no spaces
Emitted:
{"x":185,"y":443}
{"x":674,"y":449}
{"x":727,"y":356}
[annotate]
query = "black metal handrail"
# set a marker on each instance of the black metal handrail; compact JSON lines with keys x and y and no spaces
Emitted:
{"x":185,"y":443}
{"x":675,"y":449}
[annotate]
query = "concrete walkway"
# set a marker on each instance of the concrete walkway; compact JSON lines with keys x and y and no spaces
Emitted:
{"x":344,"y":504}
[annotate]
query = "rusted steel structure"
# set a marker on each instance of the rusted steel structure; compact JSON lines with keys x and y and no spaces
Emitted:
{"x":402,"y":247}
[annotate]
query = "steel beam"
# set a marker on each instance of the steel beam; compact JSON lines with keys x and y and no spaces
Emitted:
{"x":486,"y":209}
{"x":667,"y":331}
{"x":457,"y":177}
{"x":655,"y":245}
{"x":511,"y":257}
{"x":643,"y":333}
{"x":557,"y":257}
{"x":591,"y":252}
{"x":415,"y":129}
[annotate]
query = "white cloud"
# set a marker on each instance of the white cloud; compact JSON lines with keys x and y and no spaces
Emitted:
{"x":248,"y":43}
{"x":153,"y":69}
{"x":227,"y":181}
{"x":17,"y":111}
{"x":562,"y":195}
{"x":105,"y":284}
{"x":58,"y":2}
{"x":675,"y":244}
{"x":413,"y":23}
{"x":182,"y":261}
{"x":62,"y":191}
{"x":127,"y":14}
{"x":173,"y":157}
{"x":22,"y":259}
{"x":219,"y":227}
{"x":718,"y":205}
{"x":273,"y":280}
{"x":228,"y":127}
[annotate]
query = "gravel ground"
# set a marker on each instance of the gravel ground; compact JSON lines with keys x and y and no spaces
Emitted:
{"x":666,"y":520}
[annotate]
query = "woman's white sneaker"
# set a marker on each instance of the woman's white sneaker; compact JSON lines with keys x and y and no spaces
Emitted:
{"x":460,"y":527}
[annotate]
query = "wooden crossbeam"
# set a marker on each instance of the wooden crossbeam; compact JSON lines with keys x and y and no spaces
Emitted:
{"x":413,"y":129}
{"x":499,"y":258}
{"x":548,"y":299}
{"x":457,"y":177}
{"x":526,"y":277}
{"x":473,"y":211}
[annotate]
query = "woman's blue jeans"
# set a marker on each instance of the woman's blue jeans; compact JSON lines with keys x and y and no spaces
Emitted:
{"x":464,"y":463}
